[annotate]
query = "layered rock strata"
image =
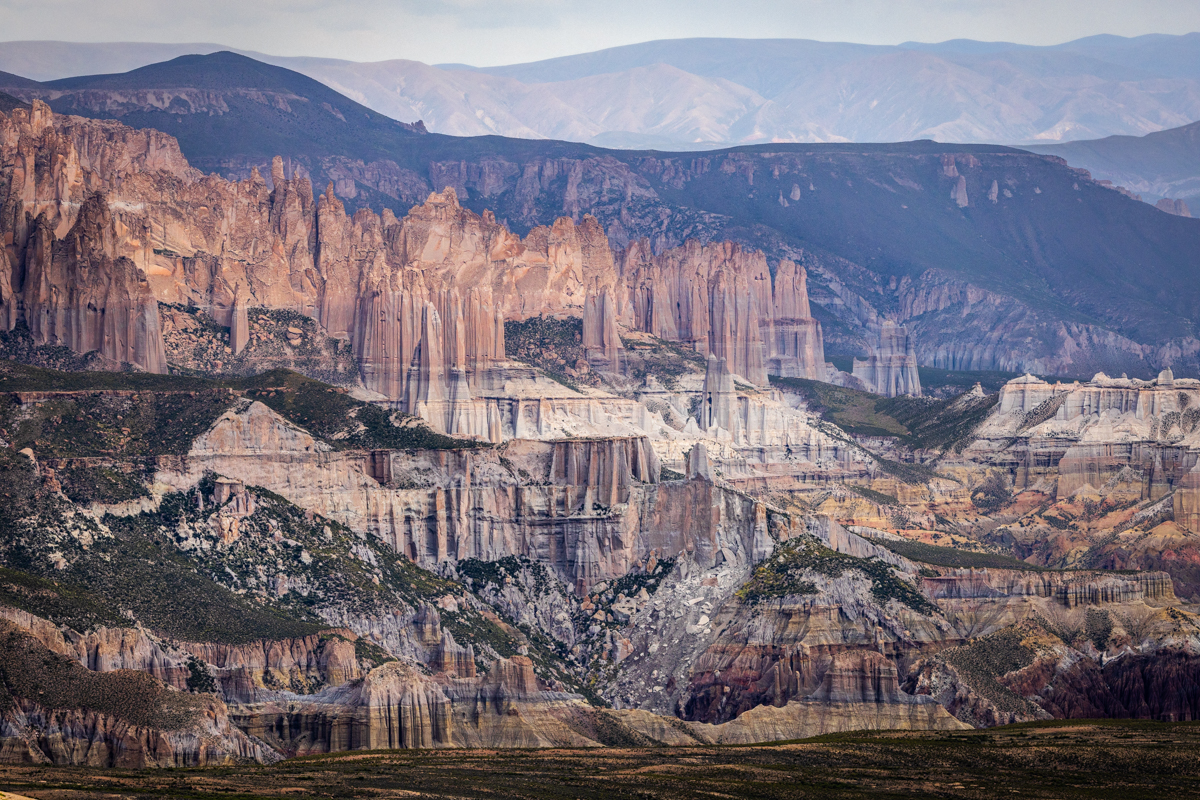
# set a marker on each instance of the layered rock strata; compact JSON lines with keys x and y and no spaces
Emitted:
{"x":1129,"y":436}
{"x":589,"y":508}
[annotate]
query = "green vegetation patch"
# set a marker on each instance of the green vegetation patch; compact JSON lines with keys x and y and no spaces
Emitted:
{"x":919,"y":422}
{"x":666,"y":361}
{"x":631,"y":583}
{"x":30,"y":671}
{"x":65,"y":604}
{"x":991,"y":381}
{"x":135,"y":415}
{"x":553,"y":346}
{"x":982,"y":662}
{"x":851,"y":410}
{"x":786,"y":573}
{"x":881,"y":498}
{"x":17,"y":377}
{"x":372,"y":653}
{"x":145,"y":572}
{"x":939,"y":424}
{"x":104,"y":483}
{"x":98,"y":423}
{"x":951,"y":556}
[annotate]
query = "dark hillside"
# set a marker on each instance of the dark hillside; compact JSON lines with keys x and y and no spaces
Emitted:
{"x":8,"y":103}
{"x":228,"y":106}
{"x":1161,"y":164}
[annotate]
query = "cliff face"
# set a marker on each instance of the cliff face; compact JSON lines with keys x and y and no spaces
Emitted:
{"x":65,"y":270}
{"x":60,"y":712}
{"x":891,"y":368}
{"x":594,"y":507}
{"x":723,"y":301}
{"x":115,"y":220}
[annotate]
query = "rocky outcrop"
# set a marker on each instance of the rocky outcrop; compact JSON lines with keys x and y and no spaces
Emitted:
{"x":891,"y":368}
{"x":718,"y":398}
{"x":395,"y":706}
{"x":601,"y":338}
{"x":59,"y":712}
{"x":588,"y":508}
{"x":1123,"y":435}
{"x":1068,"y":589}
{"x":722,"y":300}
{"x":1177,"y":207}
{"x":860,"y":691}
{"x":239,"y":323}
{"x":420,"y":300}
{"x":33,"y":734}
{"x":242,"y":673}
{"x":795,"y":347}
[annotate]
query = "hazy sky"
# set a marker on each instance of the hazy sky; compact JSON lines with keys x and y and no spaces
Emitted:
{"x":488,"y":32}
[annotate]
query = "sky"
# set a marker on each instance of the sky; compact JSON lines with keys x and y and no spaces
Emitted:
{"x":492,"y":32}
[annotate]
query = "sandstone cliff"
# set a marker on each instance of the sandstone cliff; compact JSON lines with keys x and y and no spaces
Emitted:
{"x":421,"y":300}
{"x":891,"y":368}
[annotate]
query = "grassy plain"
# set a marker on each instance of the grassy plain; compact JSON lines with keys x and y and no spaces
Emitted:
{"x":1062,"y":759}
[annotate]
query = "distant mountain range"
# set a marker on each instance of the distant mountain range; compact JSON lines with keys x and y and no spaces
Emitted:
{"x":704,"y":93}
{"x":995,"y":258}
{"x":1158,"y":165}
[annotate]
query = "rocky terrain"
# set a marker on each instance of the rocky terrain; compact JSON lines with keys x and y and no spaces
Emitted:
{"x":281,"y":480}
{"x":990,"y":257}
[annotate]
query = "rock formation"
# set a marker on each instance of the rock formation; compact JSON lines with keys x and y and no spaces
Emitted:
{"x":601,"y":339}
{"x":239,"y":323}
{"x":678,"y":536}
{"x":423,"y":298}
{"x":1177,"y":207}
{"x":795,"y":348}
{"x":718,"y":399}
{"x":891,"y":368}
{"x":722,"y":300}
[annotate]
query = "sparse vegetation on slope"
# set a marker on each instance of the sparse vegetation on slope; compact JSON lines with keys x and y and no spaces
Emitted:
{"x":1051,"y":760}
{"x":988,"y":658}
{"x":853,"y":411}
{"x":30,"y":671}
{"x":788,"y":571}
{"x":334,"y":416}
{"x":952,"y":556}
{"x":555,"y":346}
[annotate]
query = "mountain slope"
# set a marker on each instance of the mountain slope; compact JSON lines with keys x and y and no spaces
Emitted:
{"x":226,"y":87}
{"x":1161,"y":164}
{"x":227,"y":108}
{"x":739,"y":91}
{"x":8,"y":103}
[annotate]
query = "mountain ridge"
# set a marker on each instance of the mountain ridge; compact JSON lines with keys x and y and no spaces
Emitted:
{"x":1077,"y":90}
{"x":1164,"y":164}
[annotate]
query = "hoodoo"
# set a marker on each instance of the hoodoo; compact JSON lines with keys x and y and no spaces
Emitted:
{"x":891,"y":368}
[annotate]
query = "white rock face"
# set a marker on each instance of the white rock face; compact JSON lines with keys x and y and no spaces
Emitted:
{"x":891,"y":368}
{"x":588,"y":507}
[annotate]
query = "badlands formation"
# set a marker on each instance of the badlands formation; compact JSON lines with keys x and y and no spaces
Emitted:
{"x":350,"y":518}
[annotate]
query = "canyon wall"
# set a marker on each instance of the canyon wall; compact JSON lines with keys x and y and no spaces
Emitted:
{"x":100,"y":223}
